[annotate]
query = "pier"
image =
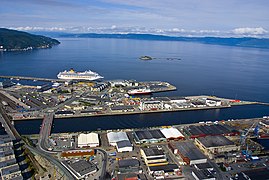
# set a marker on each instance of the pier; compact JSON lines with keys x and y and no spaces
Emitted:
{"x":32,"y":78}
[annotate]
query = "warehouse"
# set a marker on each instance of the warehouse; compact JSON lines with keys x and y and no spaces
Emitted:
{"x":81,"y":169}
{"x":177,"y":100}
{"x":88,"y":140}
{"x":202,"y":175}
{"x":122,"y":109}
{"x":188,"y":152}
{"x":153,"y":156}
{"x":149,"y":136}
{"x":124,"y":146}
{"x":151,"y":105}
{"x":129,"y":166}
{"x":172,"y":134}
{"x":114,"y":137}
{"x":210,"y":130}
{"x":164,"y":169}
{"x":214,"y":146}
{"x":213,"y":102}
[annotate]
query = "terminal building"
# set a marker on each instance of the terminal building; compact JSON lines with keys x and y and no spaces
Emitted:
{"x":217,"y":148}
{"x":188,"y":152}
{"x":88,"y":140}
{"x":172,"y":134}
{"x":148,"y":136}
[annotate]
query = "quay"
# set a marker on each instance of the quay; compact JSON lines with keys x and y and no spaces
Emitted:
{"x":32,"y":78}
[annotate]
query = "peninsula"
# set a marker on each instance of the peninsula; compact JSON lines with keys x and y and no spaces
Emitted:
{"x":12,"y":40}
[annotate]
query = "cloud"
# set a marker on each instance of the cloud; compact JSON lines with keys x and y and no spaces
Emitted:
{"x":250,"y":31}
{"x":238,"y":32}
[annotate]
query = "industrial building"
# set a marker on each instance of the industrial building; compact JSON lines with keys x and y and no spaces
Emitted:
{"x":124,"y":146}
{"x":213,"y":102}
{"x":202,"y":175}
{"x":210,"y":130}
{"x":114,"y":137}
{"x":178,"y":100}
{"x":188,"y":152}
{"x":88,"y":140}
{"x":153,"y":156}
{"x":148,"y":136}
{"x":265,"y":123}
{"x":151,"y":105}
{"x":158,"y":171}
{"x":172,"y":134}
{"x":216,"y":146}
{"x":129,"y":166}
{"x":80,"y":168}
{"x":122,"y":109}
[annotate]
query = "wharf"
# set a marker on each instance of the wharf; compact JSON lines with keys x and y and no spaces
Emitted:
{"x":32,"y":78}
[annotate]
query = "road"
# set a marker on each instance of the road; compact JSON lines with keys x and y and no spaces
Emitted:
{"x":103,"y":174}
{"x":45,"y":131}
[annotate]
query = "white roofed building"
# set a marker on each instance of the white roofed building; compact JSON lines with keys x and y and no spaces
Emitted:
{"x":88,"y":140}
{"x":114,"y":137}
{"x":172,"y":133}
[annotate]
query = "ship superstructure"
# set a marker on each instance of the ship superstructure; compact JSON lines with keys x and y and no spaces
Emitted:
{"x":73,"y":75}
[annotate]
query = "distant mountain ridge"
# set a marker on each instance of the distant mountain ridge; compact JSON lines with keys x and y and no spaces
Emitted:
{"x":12,"y":40}
{"x":231,"y":41}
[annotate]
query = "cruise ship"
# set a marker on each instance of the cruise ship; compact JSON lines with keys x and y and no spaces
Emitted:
{"x":139,"y":91}
{"x":73,"y":75}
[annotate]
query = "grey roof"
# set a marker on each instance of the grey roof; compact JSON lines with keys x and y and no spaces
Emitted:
{"x":10,"y":169}
{"x":215,"y":141}
{"x":124,"y":143}
{"x":116,"y":108}
{"x":149,"y":134}
{"x":128,"y":163}
{"x":188,"y":149}
{"x":153,"y":151}
{"x":165,"y":168}
{"x":82,"y":167}
{"x":210,"y":129}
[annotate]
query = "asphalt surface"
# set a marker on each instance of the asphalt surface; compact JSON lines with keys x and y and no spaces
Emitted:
{"x":103,"y":174}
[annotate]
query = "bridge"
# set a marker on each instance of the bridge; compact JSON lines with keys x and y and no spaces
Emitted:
{"x":32,"y":78}
{"x":45,"y":131}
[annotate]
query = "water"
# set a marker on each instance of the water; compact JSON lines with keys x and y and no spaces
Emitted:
{"x":224,"y":71}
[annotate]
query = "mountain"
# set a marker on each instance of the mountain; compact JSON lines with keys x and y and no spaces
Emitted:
{"x":12,"y":40}
{"x":231,"y":41}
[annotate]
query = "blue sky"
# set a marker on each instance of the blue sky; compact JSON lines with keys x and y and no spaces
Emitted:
{"x":171,"y":17}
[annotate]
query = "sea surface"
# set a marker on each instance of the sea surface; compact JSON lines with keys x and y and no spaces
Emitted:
{"x":225,"y":71}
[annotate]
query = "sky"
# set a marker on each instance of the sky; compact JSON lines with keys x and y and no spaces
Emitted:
{"x":168,"y":17}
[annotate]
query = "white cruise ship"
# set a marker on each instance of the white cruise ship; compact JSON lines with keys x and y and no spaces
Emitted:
{"x":73,"y":75}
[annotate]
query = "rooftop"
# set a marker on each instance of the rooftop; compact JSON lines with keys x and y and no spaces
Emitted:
{"x":149,"y":134}
{"x":153,"y":151}
{"x":81,"y":167}
{"x":124,"y":143}
{"x":171,"y":133}
{"x":215,"y":141}
{"x":117,"y":136}
{"x":165,"y":168}
{"x":210,"y":129}
{"x":188,"y":149}
{"x":128,"y":163}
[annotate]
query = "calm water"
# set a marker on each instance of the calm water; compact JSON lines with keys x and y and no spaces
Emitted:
{"x":224,"y":71}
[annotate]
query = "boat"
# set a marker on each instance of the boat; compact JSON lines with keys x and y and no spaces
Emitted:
{"x":73,"y":75}
{"x":139,"y":91}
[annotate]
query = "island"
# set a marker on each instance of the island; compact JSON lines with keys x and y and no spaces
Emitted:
{"x":146,"y":58}
{"x":12,"y":40}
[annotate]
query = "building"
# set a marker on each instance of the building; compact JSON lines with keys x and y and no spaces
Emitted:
{"x":161,"y":171}
{"x":202,"y":175}
{"x":124,"y":146}
{"x":213,"y":102}
{"x":129,"y":166}
{"x":122,"y":109}
{"x":172,"y":134}
{"x":153,"y":156}
{"x":148,"y":136}
{"x":78,"y":153}
{"x":151,"y":105}
{"x":88,"y":140}
{"x":114,"y":137}
{"x":204,"y":166}
{"x":188,"y":152}
{"x":216,"y":147}
{"x":265,"y":123}
{"x":80,"y":168}
{"x":194,"y":131}
{"x":177,"y":100}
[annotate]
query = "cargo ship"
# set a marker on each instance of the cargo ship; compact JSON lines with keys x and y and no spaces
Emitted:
{"x":73,"y":75}
{"x":139,"y":91}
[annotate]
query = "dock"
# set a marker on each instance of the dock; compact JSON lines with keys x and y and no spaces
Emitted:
{"x":32,"y":78}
